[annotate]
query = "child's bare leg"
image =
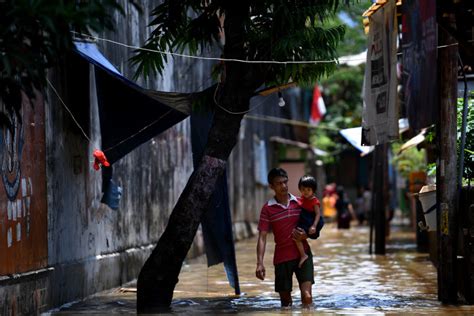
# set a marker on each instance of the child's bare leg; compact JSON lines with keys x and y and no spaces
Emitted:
{"x":303,"y":255}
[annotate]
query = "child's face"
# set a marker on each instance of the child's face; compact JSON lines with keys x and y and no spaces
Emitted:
{"x":306,"y":192}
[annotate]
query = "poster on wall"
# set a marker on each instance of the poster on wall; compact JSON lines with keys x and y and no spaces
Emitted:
{"x":23,"y":206}
{"x":380,"y":112}
{"x":419,"y":40}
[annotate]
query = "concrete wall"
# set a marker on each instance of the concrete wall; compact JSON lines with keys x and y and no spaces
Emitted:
{"x":247,"y":193}
{"x":90,"y":246}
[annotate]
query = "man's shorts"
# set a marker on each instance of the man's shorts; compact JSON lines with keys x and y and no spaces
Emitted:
{"x":284,"y":273}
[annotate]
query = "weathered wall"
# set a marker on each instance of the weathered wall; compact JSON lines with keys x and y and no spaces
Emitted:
{"x":247,"y":194}
{"x":23,"y":213}
{"x":100,"y":241}
{"x":91,"y":247}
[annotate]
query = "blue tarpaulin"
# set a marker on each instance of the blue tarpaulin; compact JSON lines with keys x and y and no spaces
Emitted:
{"x":217,"y":222}
{"x":129,"y":115}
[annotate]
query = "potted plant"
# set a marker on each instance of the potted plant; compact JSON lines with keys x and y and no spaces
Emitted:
{"x":411,"y":164}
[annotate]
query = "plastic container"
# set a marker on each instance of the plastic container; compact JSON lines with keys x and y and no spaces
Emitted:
{"x":427,"y":197}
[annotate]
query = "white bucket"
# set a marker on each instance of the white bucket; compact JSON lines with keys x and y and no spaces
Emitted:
{"x":427,"y":197}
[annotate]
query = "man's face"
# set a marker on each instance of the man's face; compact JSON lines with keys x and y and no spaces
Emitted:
{"x":280,"y":185}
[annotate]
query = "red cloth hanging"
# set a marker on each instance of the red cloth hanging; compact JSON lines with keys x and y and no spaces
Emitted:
{"x":100,"y":159}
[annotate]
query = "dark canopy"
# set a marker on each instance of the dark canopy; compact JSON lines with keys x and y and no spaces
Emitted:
{"x":130,"y":115}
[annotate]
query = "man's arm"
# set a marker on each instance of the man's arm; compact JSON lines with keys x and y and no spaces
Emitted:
{"x":261,"y":244}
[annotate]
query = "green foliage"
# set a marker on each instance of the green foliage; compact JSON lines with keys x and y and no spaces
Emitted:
{"x":342,"y":90}
{"x":410,"y":160}
{"x":468,"y":171}
{"x":343,"y":96}
{"x":343,"y":99}
{"x":35,"y":34}
{"x":355,"y":41}
{"x":431,"y":169}
{"x":324,"y":140}
{"x":277,"y":30}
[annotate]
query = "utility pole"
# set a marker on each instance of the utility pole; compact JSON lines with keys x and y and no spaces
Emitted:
{"x":446,"y":169}
{"x":380,"y":197}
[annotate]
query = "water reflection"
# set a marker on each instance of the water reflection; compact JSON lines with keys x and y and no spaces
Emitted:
{"x":348,"y":281}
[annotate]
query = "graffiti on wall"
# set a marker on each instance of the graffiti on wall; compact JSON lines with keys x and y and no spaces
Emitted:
{"x":11,"y":144}
{"x":20,"y":209}
{"x":23,"y":223}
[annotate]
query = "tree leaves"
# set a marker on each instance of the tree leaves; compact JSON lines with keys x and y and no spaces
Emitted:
{"x":35,"y":34}
{"x":279,"y":30}
{"x":468,"y":171}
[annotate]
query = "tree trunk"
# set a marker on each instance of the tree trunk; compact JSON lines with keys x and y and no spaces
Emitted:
{"x":159,"y":275}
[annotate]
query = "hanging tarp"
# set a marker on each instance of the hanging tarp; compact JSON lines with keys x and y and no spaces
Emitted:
{"x":260,"y":161}
{"x":380,"y":114}
{"x":217,"y":222}
{"x":353,"y":136}
{"x":130,"y":115}
{"x":414,"y":141}
{"x":419,"y":75}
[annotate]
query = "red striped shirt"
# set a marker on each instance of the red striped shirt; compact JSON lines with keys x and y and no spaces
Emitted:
{"x":282,"y":219}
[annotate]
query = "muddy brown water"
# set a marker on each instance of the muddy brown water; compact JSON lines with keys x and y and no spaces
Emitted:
{"x":347,"y":281}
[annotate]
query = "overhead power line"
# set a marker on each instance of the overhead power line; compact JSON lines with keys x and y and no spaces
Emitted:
{"x":287,"y":62}
{"x":280,"y":120}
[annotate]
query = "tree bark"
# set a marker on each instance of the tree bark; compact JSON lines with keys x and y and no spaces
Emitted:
{"x":159,"y":275}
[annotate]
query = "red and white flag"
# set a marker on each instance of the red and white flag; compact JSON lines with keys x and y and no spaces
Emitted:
{"x":318,"y":108}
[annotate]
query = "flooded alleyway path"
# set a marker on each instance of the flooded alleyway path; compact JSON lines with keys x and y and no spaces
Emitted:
{"x":348,"y":281}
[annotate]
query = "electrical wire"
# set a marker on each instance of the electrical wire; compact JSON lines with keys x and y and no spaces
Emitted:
{"x":236,"y":113}
{"x":138,"y":132}
{"x":68,"y":110}
{"x":280,"y":120}
{"x":84,"y":133}
{"x":287,"y":62}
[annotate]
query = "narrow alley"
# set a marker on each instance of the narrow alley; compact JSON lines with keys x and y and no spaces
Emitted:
{"x":348,"y":281}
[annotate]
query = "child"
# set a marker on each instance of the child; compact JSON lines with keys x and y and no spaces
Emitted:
{"x":310,"y":216}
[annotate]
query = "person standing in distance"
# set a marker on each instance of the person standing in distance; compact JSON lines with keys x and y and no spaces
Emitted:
{"x":280,"y":215}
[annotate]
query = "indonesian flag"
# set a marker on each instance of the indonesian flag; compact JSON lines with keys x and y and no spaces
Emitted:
{"x":318,"y":108}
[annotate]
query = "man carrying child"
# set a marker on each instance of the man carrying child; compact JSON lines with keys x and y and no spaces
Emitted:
{"x":281,"y":214}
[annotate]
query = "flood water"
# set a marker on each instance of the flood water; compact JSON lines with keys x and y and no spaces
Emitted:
{"x":347,"y":281}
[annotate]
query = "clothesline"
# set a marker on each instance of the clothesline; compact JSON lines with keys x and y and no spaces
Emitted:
{"x":342,"y":60}
{"x":280,"y":120}
{"x":68,"y":110}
